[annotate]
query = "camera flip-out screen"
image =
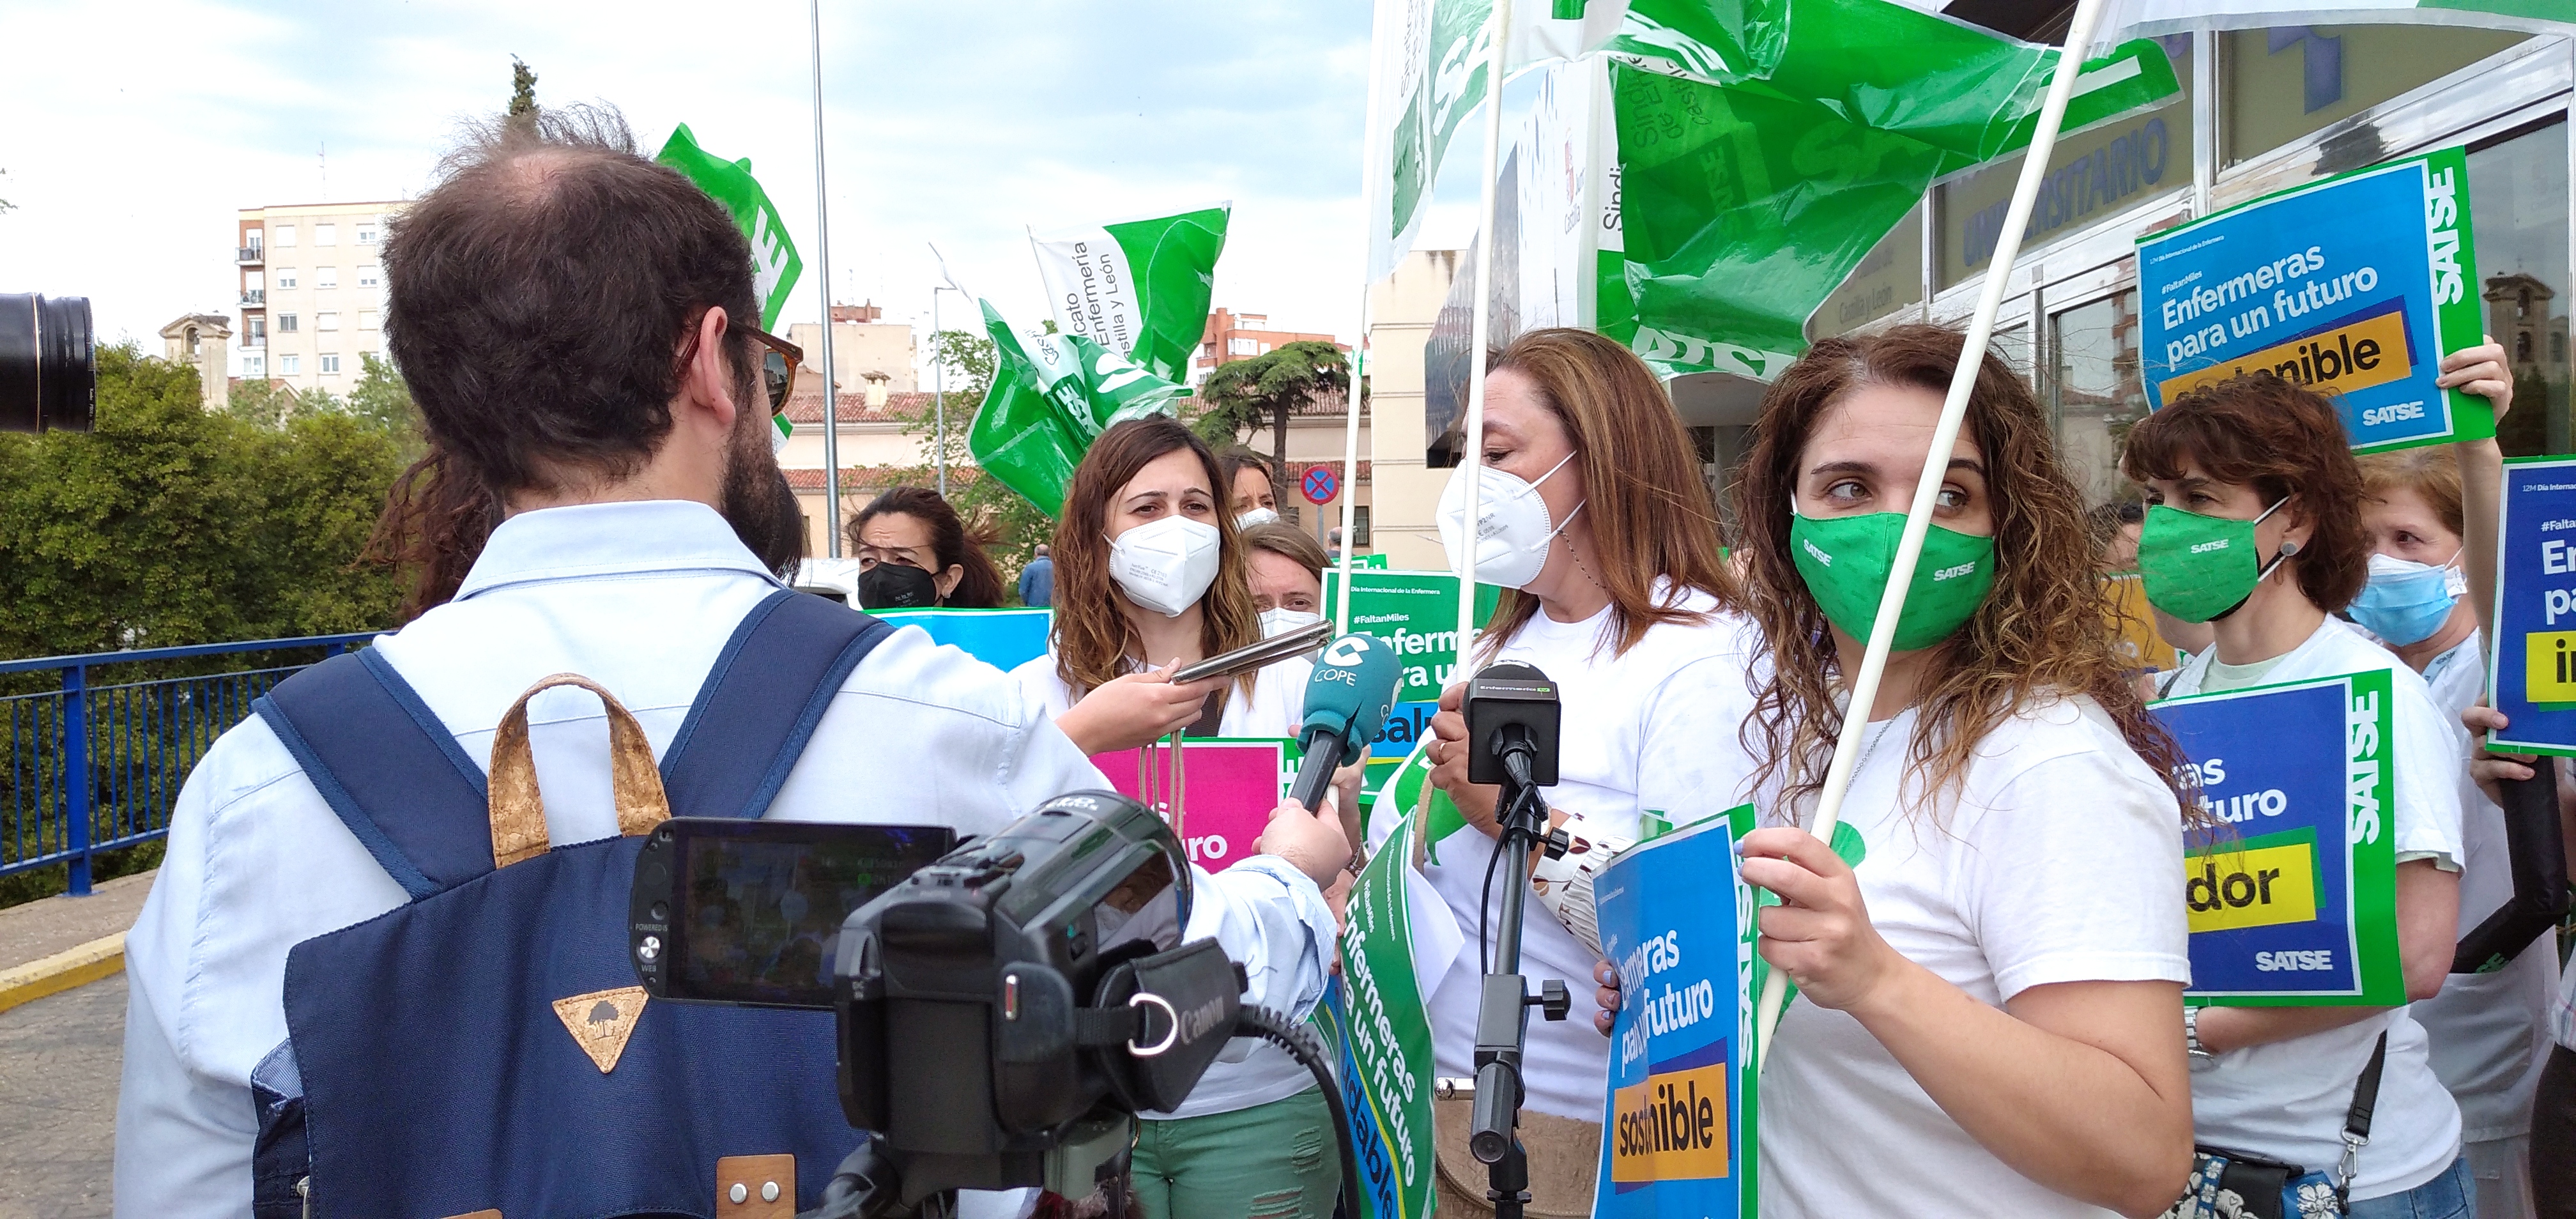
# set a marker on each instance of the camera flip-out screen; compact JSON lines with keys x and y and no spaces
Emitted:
{"x":739,"y":911}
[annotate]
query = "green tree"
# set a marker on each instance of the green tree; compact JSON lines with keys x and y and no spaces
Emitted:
{"x":261,"y":403}
{"x":170,"y":524}
{"x":523,"y":92}
{"x":1011,"y":527}
{"x":381,"y":400}
{"x":1263,"y":391}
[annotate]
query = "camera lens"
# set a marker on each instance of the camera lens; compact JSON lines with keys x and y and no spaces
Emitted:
{"x":48,"y":367}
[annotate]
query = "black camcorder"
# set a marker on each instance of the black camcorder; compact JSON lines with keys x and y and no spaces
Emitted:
{"x":1003,"y":1010}
{"x":48,"y":364}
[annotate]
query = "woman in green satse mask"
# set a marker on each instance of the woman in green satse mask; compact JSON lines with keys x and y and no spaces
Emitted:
{"x":2255,"y":525}
{"x":1987,"y":1000}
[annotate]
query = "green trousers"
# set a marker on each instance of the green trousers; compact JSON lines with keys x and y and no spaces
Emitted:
{"x":1273,"y":1161}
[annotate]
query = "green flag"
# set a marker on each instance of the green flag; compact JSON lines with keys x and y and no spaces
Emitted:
{"x":774,"y":263}
{"x":1766,"y":145}
{"x":1052,"y":395}
{"x":1139,"y":288}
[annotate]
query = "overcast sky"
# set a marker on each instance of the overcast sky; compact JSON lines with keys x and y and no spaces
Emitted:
{"x":133,"y":132}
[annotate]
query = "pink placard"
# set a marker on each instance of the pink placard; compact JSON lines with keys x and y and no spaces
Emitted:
{"x":1228,"y":789}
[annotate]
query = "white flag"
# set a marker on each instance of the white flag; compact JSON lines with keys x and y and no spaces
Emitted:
{"x":1427,"y":73}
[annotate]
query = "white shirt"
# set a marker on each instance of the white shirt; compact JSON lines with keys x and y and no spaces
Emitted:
{"x":2487,"y":1033}
{"x":1250,"y":1072}
{"x":2058,"y":858}
{"x":640,"y":596}
{"x":2287,"y":1099}
{"x":1652,"y":729}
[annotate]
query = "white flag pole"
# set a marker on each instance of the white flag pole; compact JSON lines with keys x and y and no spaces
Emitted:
{"x":1480,"y":330}
{"x":1351,"y":472}
{"x":1372,"y":192}
{"x":1918,"y":517}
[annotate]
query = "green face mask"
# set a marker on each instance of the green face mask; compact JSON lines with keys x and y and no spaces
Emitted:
{"x":2200,"y":567}
{"x":1845,"y":561}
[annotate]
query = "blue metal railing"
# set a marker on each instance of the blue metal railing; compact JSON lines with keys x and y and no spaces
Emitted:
{"x":94,"y":767}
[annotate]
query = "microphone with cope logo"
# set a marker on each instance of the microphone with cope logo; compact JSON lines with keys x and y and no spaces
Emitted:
{"x":1347,"y":700}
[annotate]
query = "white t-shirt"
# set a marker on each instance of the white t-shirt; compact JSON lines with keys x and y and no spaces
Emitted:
{"x":2058,"y":858}
{"x":2488,"y":1033}
{"x":1274,"y":708}
{"x":2287,"y":1099}
{"x":1652,"y":729}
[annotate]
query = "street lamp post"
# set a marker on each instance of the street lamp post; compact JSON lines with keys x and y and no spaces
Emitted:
{"x":823,"y":252}
{"x":939,"y":386}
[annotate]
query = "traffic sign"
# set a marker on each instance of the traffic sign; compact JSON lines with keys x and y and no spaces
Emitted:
{"x":1321,"y":485}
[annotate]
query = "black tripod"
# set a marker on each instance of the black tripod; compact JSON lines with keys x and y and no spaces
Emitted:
{"x":1511,"y":727}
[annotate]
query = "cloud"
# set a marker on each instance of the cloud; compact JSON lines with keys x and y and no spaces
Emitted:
{"x":957,"y":123}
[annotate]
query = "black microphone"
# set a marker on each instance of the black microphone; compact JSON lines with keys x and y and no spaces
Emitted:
{"x":1347,"y":700}
{"x":1513,"y":719}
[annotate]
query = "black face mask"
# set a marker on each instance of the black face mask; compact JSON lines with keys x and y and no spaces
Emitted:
{"x":895,"y":586}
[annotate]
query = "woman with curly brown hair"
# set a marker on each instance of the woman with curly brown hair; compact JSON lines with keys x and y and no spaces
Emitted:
{"x":1987,"y":1001}
{"x":2256,"y":526}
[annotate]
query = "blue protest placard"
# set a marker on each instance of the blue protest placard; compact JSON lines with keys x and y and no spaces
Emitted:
{"x":1678,"y":1130}
{"x":1002,"y":638}
{"x":2355,"y":286}
{"x":2531,"y":648}
{"x":2293,"y":896}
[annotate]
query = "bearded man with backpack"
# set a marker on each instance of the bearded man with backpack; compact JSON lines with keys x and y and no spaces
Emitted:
{"x":382,"y":971}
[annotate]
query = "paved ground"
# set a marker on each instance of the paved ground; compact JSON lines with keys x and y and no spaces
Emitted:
{"x":58,"y":1066}
{"x":48,"y":926}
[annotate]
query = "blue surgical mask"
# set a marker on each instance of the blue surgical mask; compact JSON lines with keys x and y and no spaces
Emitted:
{"x":2405,"y":601}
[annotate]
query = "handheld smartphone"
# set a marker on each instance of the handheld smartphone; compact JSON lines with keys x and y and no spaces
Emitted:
{"x":726,"y":910}
{"x":1253,"y":656}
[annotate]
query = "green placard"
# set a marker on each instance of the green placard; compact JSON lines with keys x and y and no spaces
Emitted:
{"x":1377,"y":1024}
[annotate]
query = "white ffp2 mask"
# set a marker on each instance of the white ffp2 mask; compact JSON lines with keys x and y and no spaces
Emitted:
{"x":1512,"y":530}
{"x":1165,"y":565}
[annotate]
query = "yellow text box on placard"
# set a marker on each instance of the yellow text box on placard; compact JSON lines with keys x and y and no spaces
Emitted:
{"x":1672,"y":1127}
{"x":2368,"y":352}
{"x":2261,"y":887}
{"x":2549,"y":667}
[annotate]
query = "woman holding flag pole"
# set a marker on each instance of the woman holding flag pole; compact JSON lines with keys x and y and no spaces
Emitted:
{"x":1989,"y":995}
{"x":2255,"y":525}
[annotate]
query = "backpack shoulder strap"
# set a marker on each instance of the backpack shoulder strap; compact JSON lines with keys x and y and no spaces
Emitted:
{"x":769,"y":688}
{"x":388,"y":766}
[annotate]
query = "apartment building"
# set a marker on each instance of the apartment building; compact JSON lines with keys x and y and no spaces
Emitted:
{"x":1232,"y":336}
{"x":312,"y":292}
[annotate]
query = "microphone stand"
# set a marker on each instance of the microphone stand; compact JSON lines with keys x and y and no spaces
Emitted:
{"x":1502,"y":1012}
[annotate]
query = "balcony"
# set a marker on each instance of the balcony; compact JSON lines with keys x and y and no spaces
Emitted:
{"x":254,"y":296}
{"x":250,"y":255}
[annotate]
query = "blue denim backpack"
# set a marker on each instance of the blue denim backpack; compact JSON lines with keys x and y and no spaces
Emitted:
{"x":484,"y":1050}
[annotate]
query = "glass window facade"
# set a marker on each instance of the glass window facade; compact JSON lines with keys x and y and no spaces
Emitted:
{"x":2288,"y":81}
{"x":2095,"y":393}
{"x":2518,"y":202}
{"x":2093,"y":174}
